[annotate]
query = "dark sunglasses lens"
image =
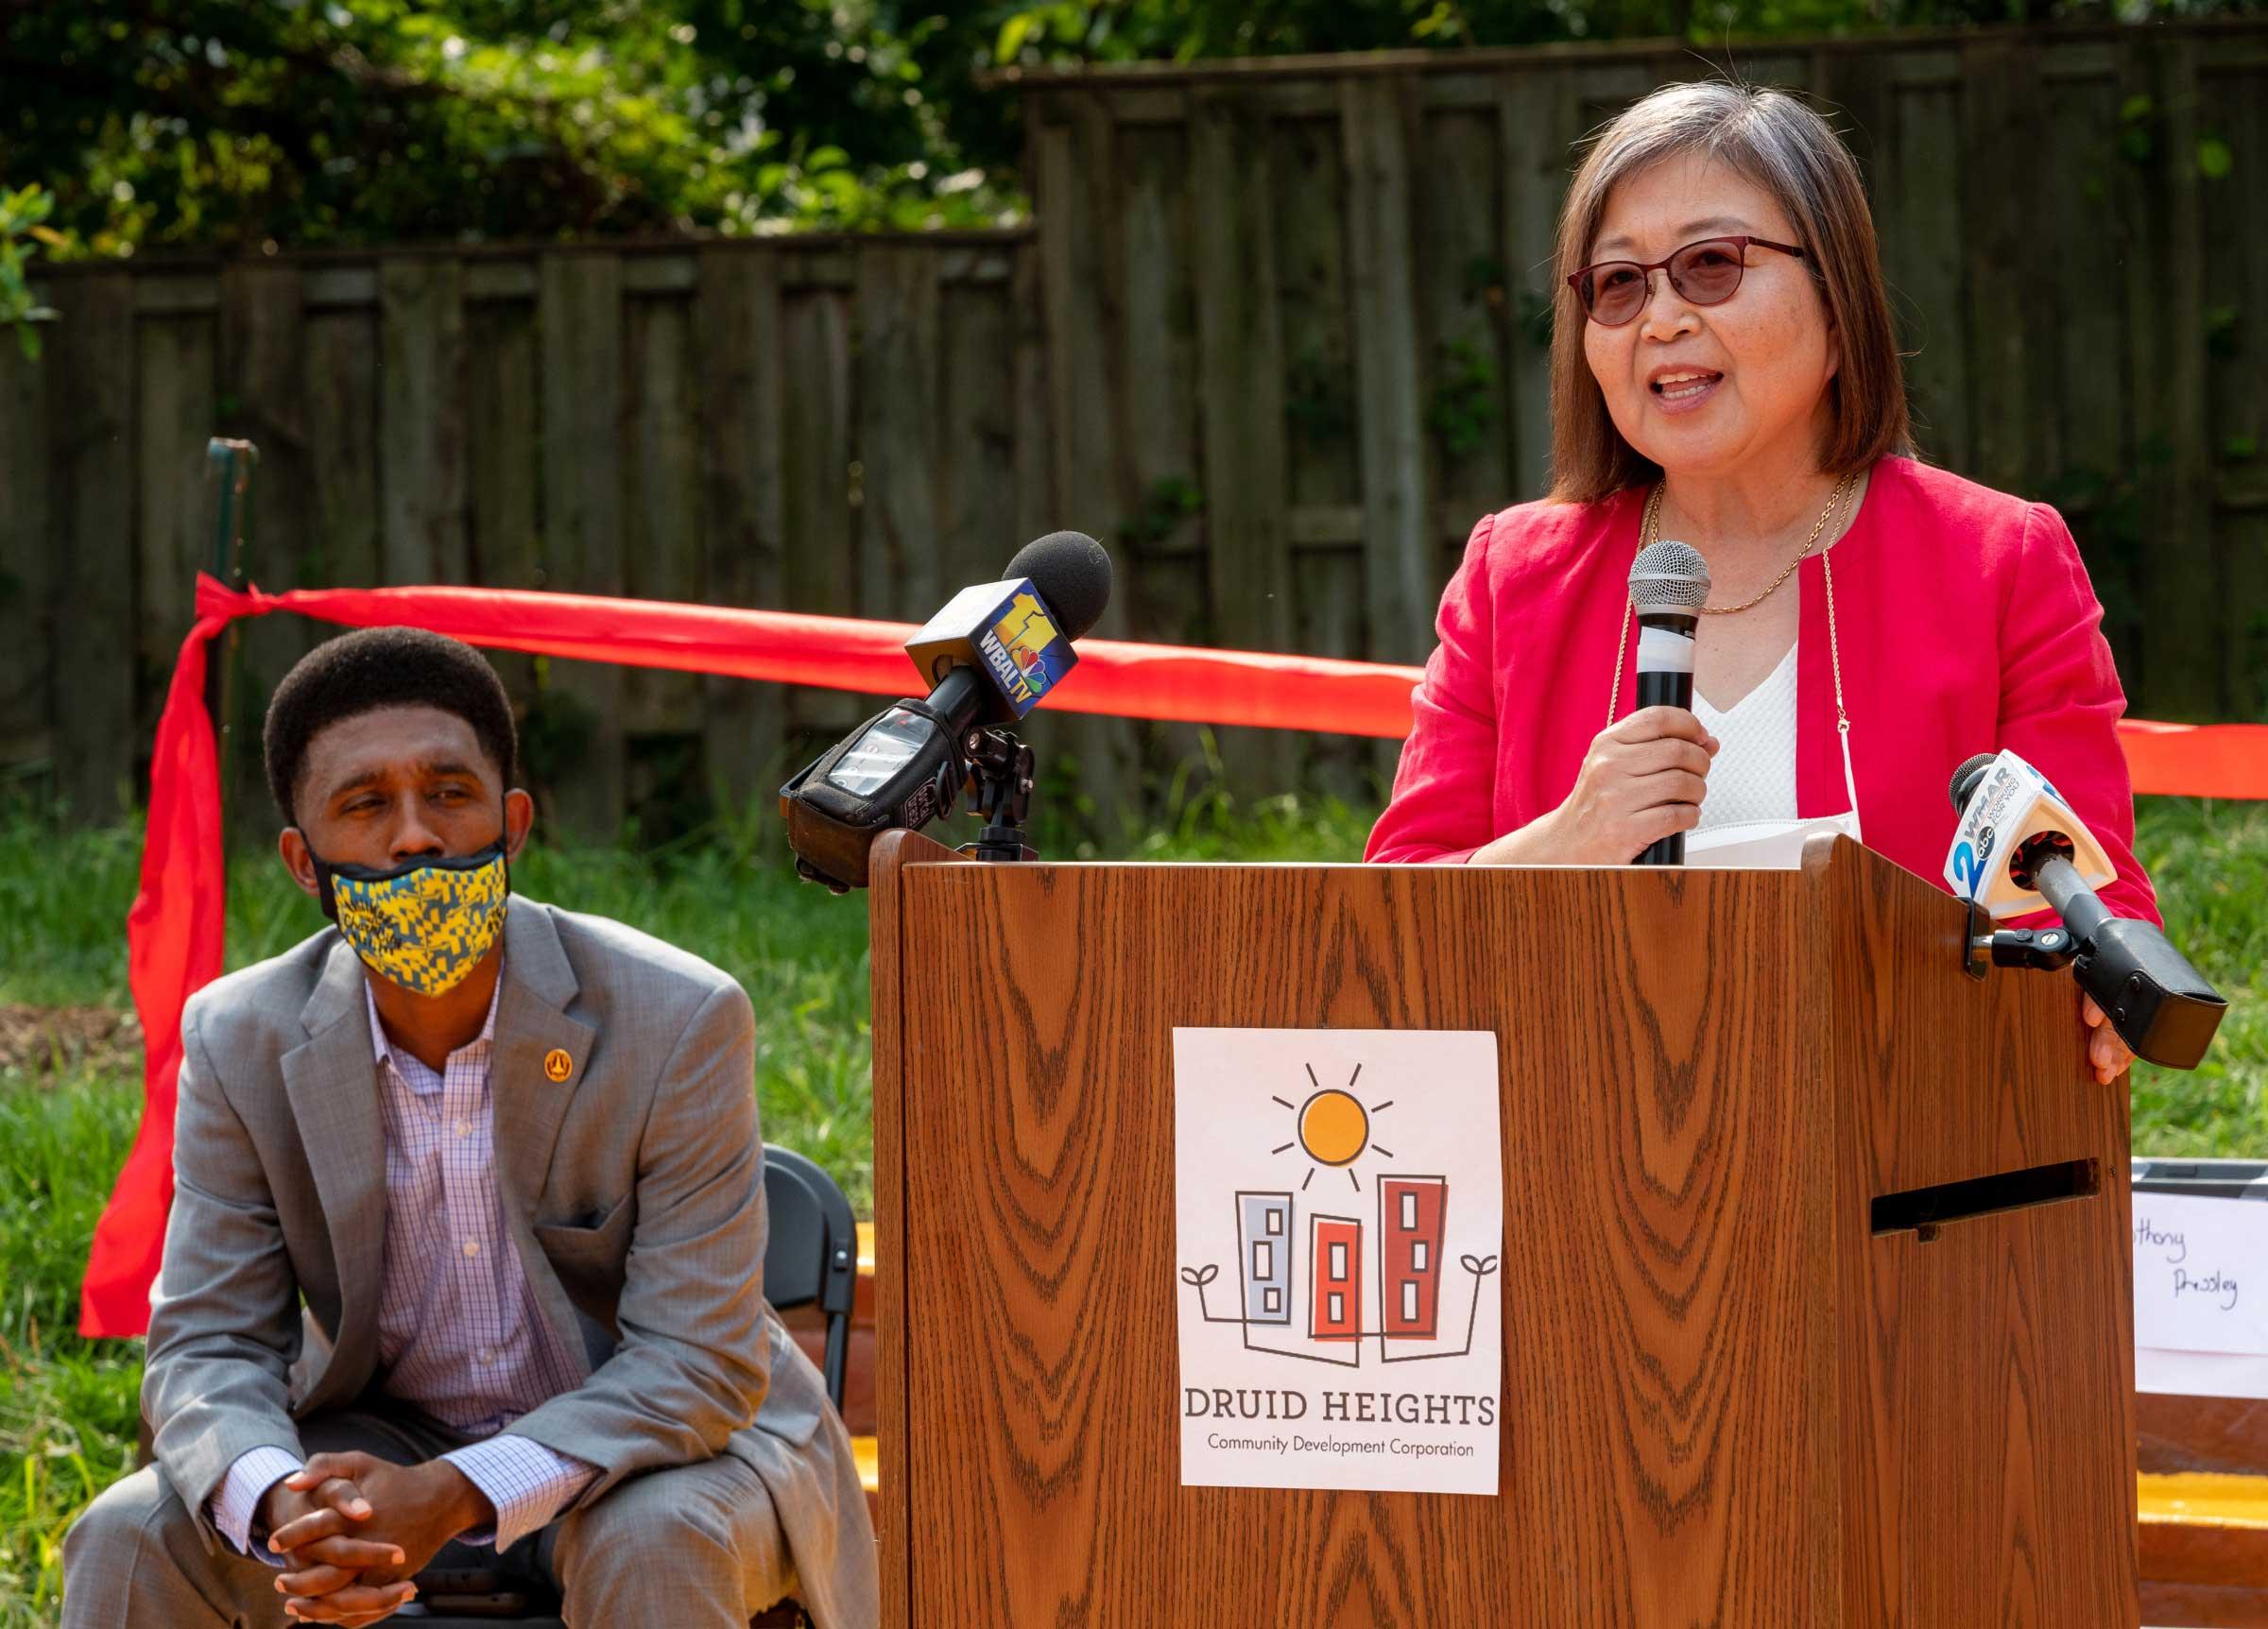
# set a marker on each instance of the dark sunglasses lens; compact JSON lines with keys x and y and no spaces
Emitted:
{"x":1707,"y":272}
{"x":1614,"y":293}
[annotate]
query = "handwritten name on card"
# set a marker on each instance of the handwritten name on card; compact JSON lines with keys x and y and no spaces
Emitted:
{"x":2200,"y":1274}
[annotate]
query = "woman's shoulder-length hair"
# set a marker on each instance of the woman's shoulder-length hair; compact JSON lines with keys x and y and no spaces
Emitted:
{"x":1783,"y":147}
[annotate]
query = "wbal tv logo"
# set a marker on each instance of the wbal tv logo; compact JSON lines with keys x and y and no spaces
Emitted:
{"x":1018,"y":649}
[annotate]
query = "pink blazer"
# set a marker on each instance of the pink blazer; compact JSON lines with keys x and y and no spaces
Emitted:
{"x":1967,"y":624}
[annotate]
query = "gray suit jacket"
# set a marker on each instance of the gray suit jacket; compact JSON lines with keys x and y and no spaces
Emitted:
{"x":633,"y":1191}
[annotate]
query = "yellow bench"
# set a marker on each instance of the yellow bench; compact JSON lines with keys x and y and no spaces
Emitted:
{"x":2202,"y":1539}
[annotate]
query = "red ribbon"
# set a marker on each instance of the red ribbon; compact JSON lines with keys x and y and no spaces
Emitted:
{"x":174,"y":930}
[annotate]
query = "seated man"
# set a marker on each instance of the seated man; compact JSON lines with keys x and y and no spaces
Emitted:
{"x":507,"y":1155}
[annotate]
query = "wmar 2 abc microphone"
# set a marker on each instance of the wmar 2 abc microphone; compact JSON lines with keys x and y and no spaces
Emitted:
{"x":2018,"y":848}
{"x":992,"y":654}
{"x":1668,"y":584}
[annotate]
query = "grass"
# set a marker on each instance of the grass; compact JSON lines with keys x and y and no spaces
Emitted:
{"x":67,"y":1406}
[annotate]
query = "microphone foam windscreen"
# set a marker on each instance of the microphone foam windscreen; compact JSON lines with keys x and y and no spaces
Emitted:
{"x":1668,"y":576}
{"x":1073,"y":574}
{"x":1965,"y":777}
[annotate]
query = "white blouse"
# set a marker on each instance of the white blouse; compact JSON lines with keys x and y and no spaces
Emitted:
{"x":1754,"y":776}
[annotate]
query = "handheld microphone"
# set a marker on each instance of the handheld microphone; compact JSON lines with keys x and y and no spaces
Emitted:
{"x":991,"y":653}
{"x":1668,"y":584}
{"x":2018,"y":848}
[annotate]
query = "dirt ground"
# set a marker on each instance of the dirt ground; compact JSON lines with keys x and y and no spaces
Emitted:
{"x":46,"y":1040}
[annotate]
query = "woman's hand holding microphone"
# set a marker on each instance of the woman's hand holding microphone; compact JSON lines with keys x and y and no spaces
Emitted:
{"x":1643,"y":779}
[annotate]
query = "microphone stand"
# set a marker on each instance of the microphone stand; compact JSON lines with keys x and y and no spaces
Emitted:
{"x":1001,"y":769}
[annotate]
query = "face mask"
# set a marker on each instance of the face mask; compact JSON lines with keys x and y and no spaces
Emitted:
{"x":423,"y":924}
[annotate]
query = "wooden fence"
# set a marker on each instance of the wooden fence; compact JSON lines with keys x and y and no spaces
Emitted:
{"x":818,"y":425}
{"x":1279,"y":335}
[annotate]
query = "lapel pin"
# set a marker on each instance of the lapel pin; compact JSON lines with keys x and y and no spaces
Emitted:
{"x":558,"y":1065}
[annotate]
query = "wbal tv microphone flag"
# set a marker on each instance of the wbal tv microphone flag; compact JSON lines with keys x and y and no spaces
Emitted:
{"x":2012,"y":804}
{"x":1006,"y":631}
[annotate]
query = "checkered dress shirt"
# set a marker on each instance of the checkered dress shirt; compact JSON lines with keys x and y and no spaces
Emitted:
{"x":459,"y":1334}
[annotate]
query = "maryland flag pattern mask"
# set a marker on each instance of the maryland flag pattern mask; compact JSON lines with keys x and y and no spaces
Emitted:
{"x":424,"y":924}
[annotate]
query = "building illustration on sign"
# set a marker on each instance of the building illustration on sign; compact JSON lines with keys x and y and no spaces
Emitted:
{"x":1318,"y":1284}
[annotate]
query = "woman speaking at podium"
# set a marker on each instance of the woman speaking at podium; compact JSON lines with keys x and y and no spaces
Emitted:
{"x":1723,"y":373}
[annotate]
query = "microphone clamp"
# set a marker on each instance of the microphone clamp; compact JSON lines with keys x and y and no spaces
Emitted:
{"x":1000,"y":779}
{"x":2043,"y":950}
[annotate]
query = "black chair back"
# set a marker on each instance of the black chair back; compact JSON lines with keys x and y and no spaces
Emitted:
{"x":813,"y":1253}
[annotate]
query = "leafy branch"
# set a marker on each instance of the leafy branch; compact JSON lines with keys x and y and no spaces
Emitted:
{"x":23,"y":214}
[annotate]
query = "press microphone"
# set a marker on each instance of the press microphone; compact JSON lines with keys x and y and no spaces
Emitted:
{"x":2005,"y":804}
{"x":991,"y":655}
{"x":2018,"y":848}
{"x":1668,"y":584}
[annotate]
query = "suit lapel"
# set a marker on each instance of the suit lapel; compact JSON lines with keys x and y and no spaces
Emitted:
{"x":539,"y":1060}
{"x":531,"y":1027}
{"x":332,"y":1083}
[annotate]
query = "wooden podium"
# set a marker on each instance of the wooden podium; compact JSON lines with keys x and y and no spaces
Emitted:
{"x":1817,"y":1267}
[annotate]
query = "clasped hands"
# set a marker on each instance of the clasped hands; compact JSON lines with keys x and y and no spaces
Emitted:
{"x":357,"y":1529}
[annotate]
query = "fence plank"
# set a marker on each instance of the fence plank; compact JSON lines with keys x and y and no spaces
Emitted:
{"x":2185,"y":586}
{"x":421,"y":420}
{"x":1036,"y":505}
{"x":503,"y":445}
{"x":341,"y":384}
{"x":819,"y":562}
{"x":263,"y":354}
{"x":1239,"y":378}
{"x":90,"y":378}
{"x":663,"y":542}
{"x":1397,"y":545}
{"x":1164,"y":573}
{"x":2084,"y":410}
{"x":1159,"y":339}
{"x":174,"y":419}
{"x":1083,"y":261}
{"x":1533,"y":175}
{"x":2086,"y":463}
{"x":2144,"y":254}
{"x":1999,"y":106}
{"x":976,"y":437}
{"x":2237,"y":358}
{"x":899,"y":570}
{"x":28,"y":569}
{"x":1920,"y":229}
{"x":737,"y":323}
{"x":502,"y":463}
{"x":1463,"y":357}
{"x":1324,"y":467}
{"x":579,"y":311}
{"x":262,"y":359}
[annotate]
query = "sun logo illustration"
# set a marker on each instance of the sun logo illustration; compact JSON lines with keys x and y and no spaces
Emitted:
{"x":1333,"y":1128}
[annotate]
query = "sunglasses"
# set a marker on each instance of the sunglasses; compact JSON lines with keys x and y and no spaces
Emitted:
{"x":1703,"y":273}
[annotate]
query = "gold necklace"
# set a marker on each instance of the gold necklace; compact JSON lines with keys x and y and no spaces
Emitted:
{"x":1834,"y":502}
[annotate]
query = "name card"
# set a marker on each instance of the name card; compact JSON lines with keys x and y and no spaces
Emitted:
{"x":2200,"y":1274}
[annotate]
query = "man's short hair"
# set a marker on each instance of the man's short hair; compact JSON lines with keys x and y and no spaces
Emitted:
{"x":375,"y":667}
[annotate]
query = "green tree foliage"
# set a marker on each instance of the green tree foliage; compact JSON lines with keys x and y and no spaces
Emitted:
{"x":240,"y":123}
{"x":1073,"y":32}
{"x":20,"y":215}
